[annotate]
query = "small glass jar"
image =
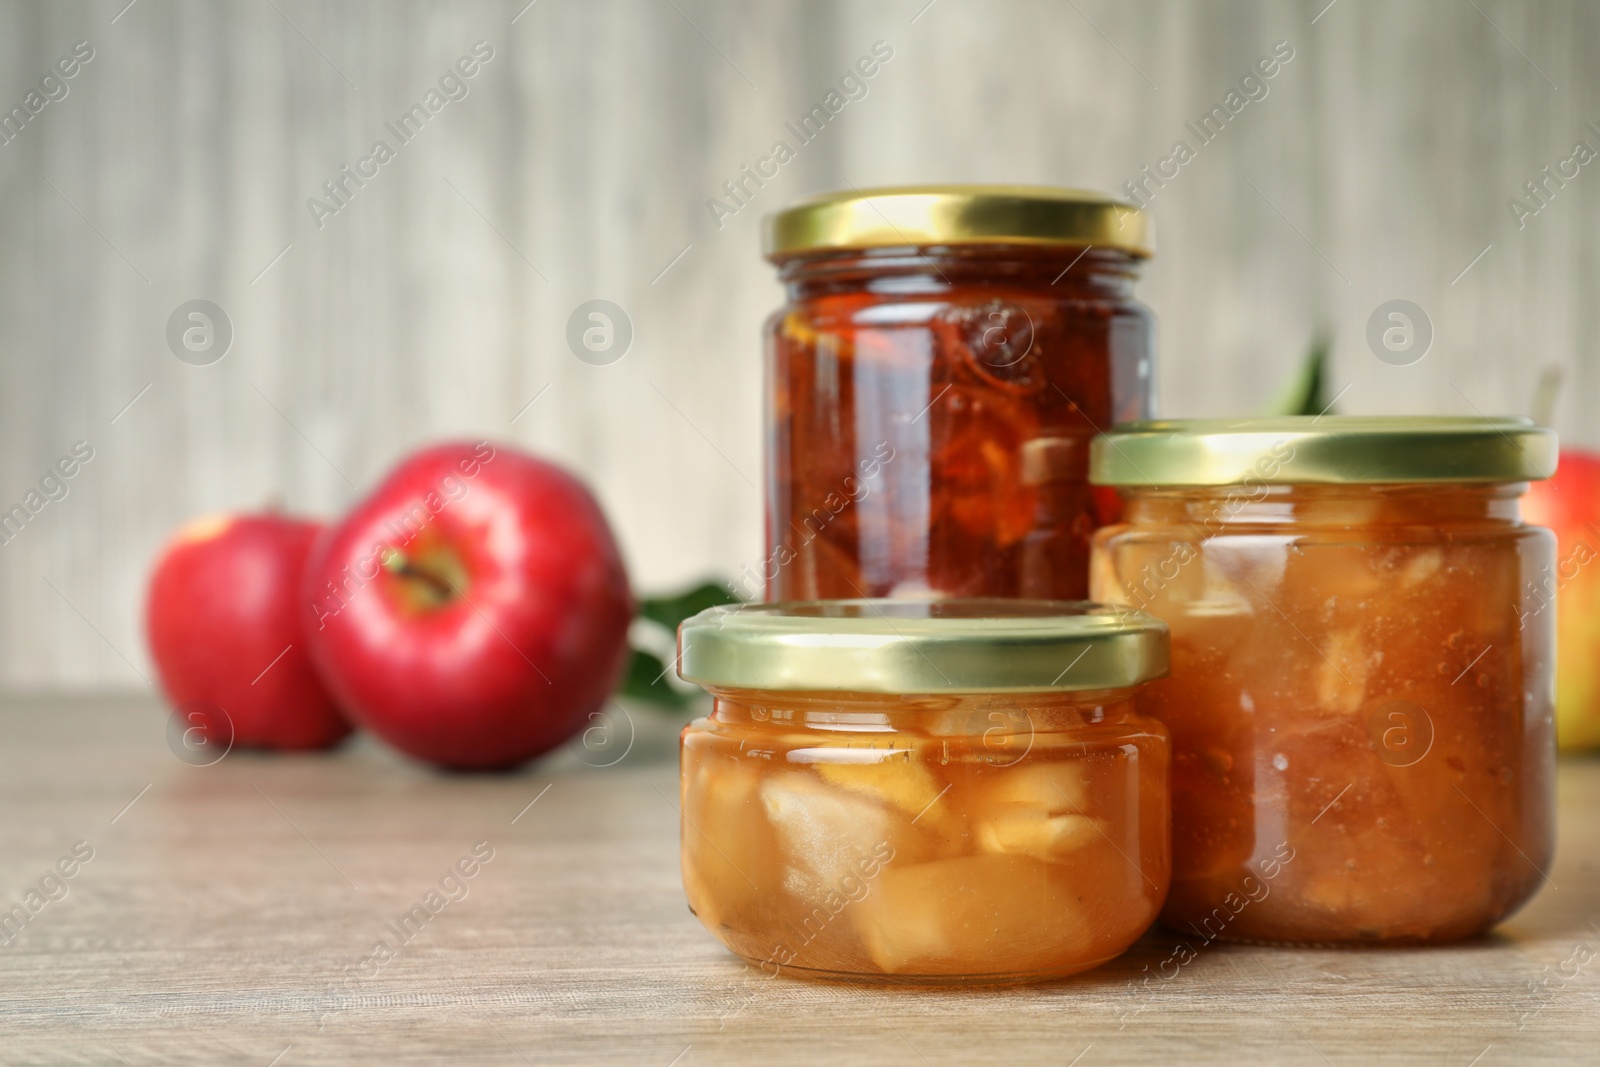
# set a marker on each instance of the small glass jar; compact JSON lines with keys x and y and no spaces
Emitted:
{"x":955,"y":791}
{"x":1362,"y":683}
{"x":945,"y":356}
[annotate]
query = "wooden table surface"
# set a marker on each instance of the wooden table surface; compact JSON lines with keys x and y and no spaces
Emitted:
{"x":229,"y":913}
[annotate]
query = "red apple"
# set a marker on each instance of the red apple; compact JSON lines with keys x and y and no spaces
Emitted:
{"x":224,"y":623}
{"x":1569,"y":504}
{"x":473,"y":611}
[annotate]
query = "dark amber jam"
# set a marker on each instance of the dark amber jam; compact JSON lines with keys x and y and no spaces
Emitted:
{"x":930,"y":415}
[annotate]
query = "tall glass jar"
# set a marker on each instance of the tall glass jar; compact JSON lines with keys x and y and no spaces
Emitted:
{"x":1362,"y":681}
{"x":914,"y":791}
{"x":945,"y":356}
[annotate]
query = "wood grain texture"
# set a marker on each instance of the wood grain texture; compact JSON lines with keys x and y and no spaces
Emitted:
{"x":226,"y":910}
{"x":179,"y":166}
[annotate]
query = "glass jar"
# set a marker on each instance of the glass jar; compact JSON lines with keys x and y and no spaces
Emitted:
{"x":945,"y":356}
{"x":1362,"y":683}
{"x":906,"y":791}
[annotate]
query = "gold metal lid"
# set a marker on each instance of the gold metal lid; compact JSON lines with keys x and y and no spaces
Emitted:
{"x":922,"y":215}
{"x":1323,"y":450}
{"x":922,"y":646}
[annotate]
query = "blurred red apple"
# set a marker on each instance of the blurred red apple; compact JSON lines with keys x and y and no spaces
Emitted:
{"x":1569,"y":504}
{"x":473,"y":611}
{"x":223,"y":617}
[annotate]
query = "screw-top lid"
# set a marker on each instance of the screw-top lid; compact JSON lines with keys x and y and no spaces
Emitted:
{"x":922,"y":646}
{"x":1325,"y":450}
{"x":924,"y":215}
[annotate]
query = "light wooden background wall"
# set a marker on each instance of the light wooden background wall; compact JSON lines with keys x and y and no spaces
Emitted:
{"x":179,"y":164}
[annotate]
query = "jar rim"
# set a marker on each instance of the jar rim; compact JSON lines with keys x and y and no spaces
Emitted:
{"x":1323,"y":450}
{"x":908,"y":646}
{"x":915,"y":216}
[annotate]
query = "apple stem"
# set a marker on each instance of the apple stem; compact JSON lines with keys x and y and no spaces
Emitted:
{"x":396,"y":563}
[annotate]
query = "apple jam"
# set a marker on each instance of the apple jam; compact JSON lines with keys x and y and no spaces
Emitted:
{"x":1362,"y":683}
{"x":902,"y":815}
{"x":945,"y":356}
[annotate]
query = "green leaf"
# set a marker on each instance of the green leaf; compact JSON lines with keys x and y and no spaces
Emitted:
{"x":669,"y":611}
{"x":1307,"y":392}
{"x":646,"y":681}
